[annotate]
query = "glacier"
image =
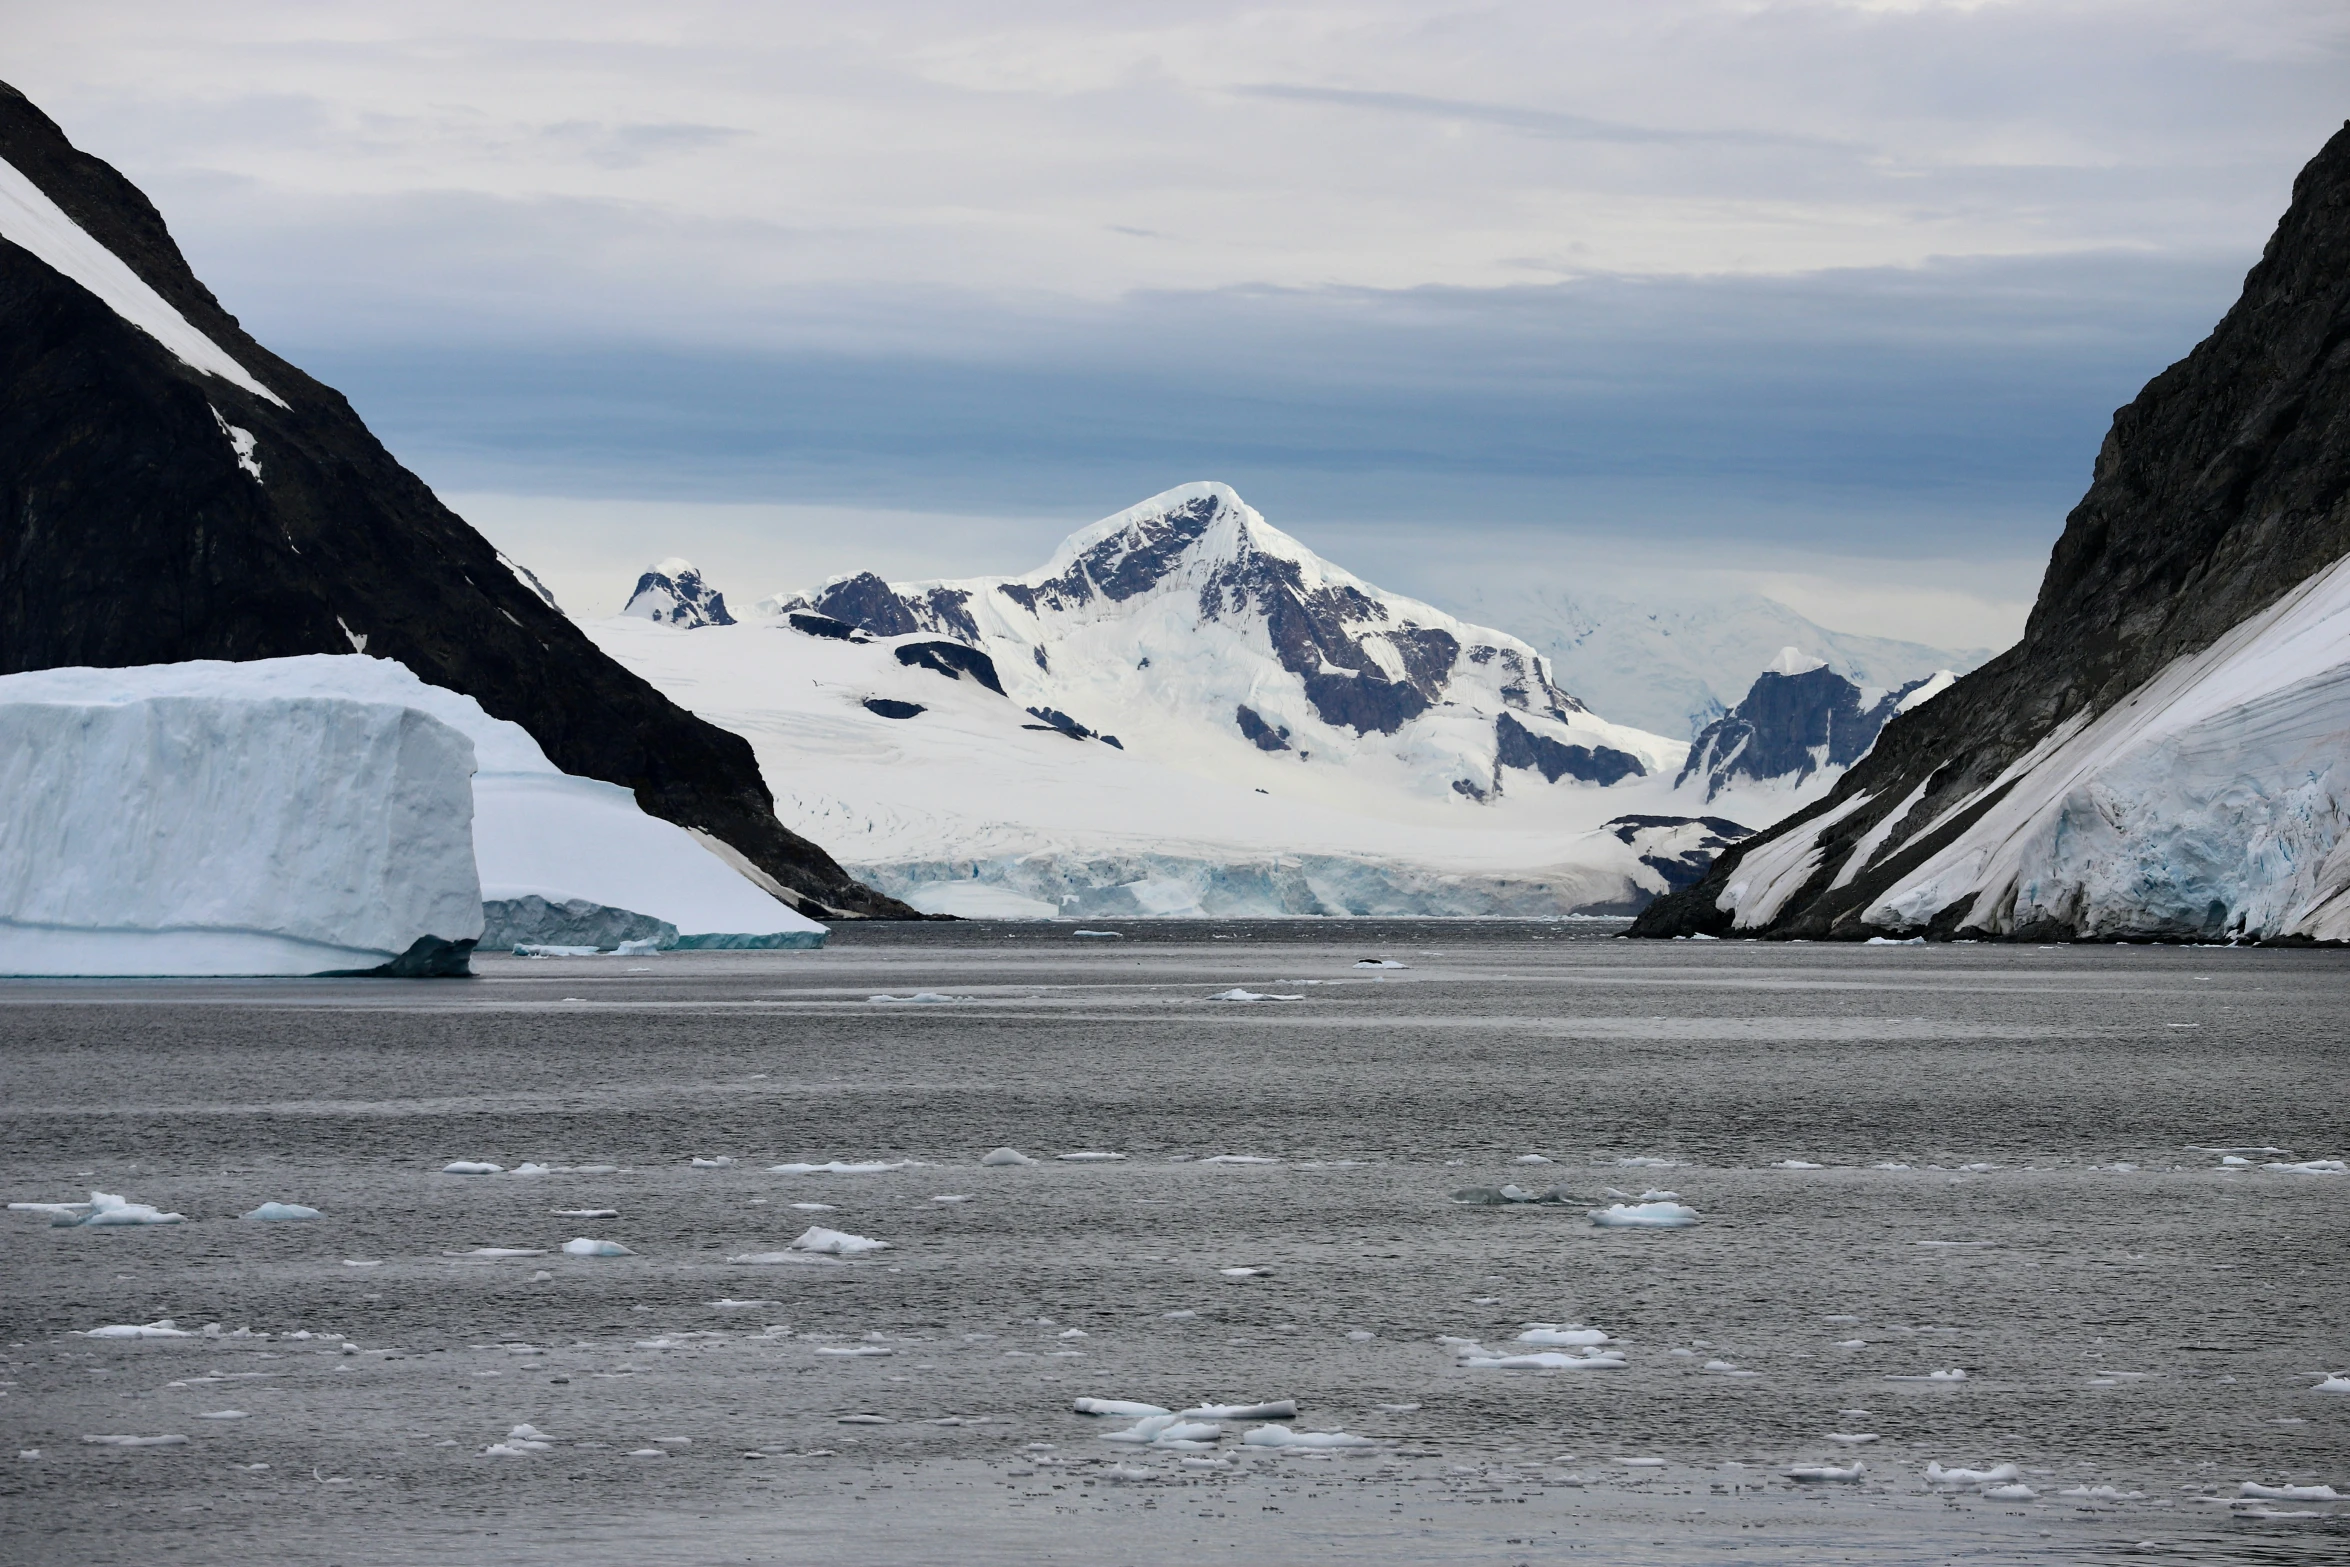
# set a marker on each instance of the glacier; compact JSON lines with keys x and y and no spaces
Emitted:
{"x":1186,"y":713}
{"x":151,"y":831}
{"x":539,"y":845}
{"x":2208,"y":804}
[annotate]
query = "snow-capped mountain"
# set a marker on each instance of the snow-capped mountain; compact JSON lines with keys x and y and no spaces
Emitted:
{"x":1799,"y":721}
{"x":673,"y":592}
{"x":1674,"y":668}
{"x":204,"y":499}
{"x":2166,"y":754}
{"x":1184,"y":711}
{"x":1192,"y":619}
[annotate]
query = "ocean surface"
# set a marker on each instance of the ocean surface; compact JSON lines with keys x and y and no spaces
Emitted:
{"x":1906,"y":1160}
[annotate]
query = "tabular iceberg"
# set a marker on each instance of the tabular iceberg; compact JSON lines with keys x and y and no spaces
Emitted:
{"x":153,"y":831}
{"x":557,"y":855}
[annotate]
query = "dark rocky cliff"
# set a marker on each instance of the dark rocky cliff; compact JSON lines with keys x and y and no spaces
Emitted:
{"x":2222,"y":487}
{"x":132,"y":533}
{"x":1789,"y":727}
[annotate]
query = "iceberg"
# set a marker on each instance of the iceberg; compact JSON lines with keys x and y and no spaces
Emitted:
{"x":1004,"y":1157}
{"x":159,"y":825}
{"x":576,"y":845}
{"x":1120,"y":1407}
{"x":584,"y":1247}
{"x":835,"y":1243}
{"x":279,"y":1212}
{"x":838,"y":1167}
{"x":1998,"y":1474}
{"x":1277,"y":1409}
{"x":106,"y":1210}
{"x":164,"y":1329}
{"x":1816,"y":1473}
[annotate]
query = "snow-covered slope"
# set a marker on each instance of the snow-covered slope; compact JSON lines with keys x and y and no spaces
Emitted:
{"x":1185,"y":711}
{"x":537,"y":832}
{"x":147,"y":832}
{"x":2211,"y":803}
{"x":1674,"y":668}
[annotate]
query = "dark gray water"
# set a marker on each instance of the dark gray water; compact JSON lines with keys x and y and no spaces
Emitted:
{"x":2156,"y":1330}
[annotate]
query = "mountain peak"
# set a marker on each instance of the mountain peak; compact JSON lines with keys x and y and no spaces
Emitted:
{"x":1794,"y":661}
{"x":672,"y":591}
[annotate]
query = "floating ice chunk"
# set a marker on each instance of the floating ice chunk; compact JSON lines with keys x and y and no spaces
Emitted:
{"x":1177,"y":1316}
{"x":835,"y":1243}
{"x":1119,"y":1474}
{"x":1285,"y":1436}
{"x":584,"y":1247}
{"x":136,"y":1441}
{"x":1997,"y":1474}
{"x":1978,"y":1169}
{"x":1237,"y":994}
{"x":472,"y":1167}
{"x":839,"y":1167}
{"x":1001,"y":1158}
{"x":55,"y":1210}
{"x":497,"y":1251}
{"x":1954,"y":1374}
{"x":1642,"y":1463}
{"x":1278,"y":1409}
{"x":2339,"y":1383}
{"x":1546,"y":1360}
{"x":1206,"y":1463}
{"x":1119,"y":1407}
{"x":853,"y":1351}
{"x":1647,"y":1162}
{"x":363,"y":1262}
{"x":1245,"y":1273}
{"x":1890,"y":1164}
{"x":1238,"y":1158}
{"x":953,"y":1197}
{"x":527,"y":1433}
{"x":867,"y":1420}
{"x":1644,"y":1216}
{"x":1797,"y":1164}
{"x":1530,"y":1158}
{"x":1100,"y":935}
{"x":1360,"y":1335}
{"x":1852,"y":1438}
{"x":1815,"y":1473}
{"x":224,"y":1414}
{"x":1571,"y":1335}
{"x":2311,"y":1167}
{"x":719,"y":1163}
{"x":640,"y":1452}
{"x":815,"y":1207}
{"x":1379,"y":963}
{"x":1653,"y":1195}
{"x":1089,"y":1156}
{"x":1156,"y":1430}
{"x":271,"y":1212}
{"x":548,"y":949}
{"x":164,"y":1329}
{"x":2103,"y":1493}
{"x":107,"y":1210}
{"x":2289,"y":1493}
{"x":1726,"y":1368}
{"x":2018,"y":1492}
{"x":585,"y":1213}
{"x":1956,"y":1245}
{"x":920,"y":998}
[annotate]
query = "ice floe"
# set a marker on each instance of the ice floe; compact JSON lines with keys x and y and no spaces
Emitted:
{"x":493,"y":1252}
{"x":1277,"y":1409}
{"x":2338,"y":1383}
{"x":2017,"y":1492}
{"x":585,"y":1213}
{"x":1120,"y":1408}
{"x":1852,"y":1438}
{"x":1004,"y":1158}
{"x":1531,"y":1158}
{"x":1644,"y":1216}
{"x":1503,"y":1196}
{"x":1998,"y":1474}
{"x":2102,"y":1493}
{"x":1168,"y":1431}
{"x":1237,"y":994}
{"x":920,"y":998}
{"x":841,"y":1167}
{"x":136,"y":1441}
{"x":1100,"y":935}
{"x":279,"y":1212}
{"x":1568,"y":1335}
{"x":224,"y":1414}
{"x":952,"y":1197}
{"x":1545,"y":1360}
{"x":1245,"y":1273}
{"x":472,"y":1167}
{"x":1379,"y":963}
{"x":1816,"y":1473}
{"x":2289,"y":1493}
{"x":1089,"y":1156}
{"x":1727,"y":1368}
{"x":2311,"y":1167}
{"x":1797,"y":1164}
{"x":1239,"y":1158}
{"x":585,"y":1247}
{"x":1953,"y":1374}
{"x":105,"y":1210}
{"x":835,"y":1243}
{"x":719,"y":1163}
{"x":1642,"y":1161}
{"x":1287,"y":1437}
{"x":164,"y":1329}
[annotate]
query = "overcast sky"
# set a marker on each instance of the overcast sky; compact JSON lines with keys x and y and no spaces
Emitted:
{"x":1677,"y":296}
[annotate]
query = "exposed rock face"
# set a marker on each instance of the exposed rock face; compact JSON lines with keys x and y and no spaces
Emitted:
{"x":2205,"y":547}
{"x":1681,"y":849}
{"x":1789,"y":727}
{"x":154,"y":512}
{"x":1517,"y":746}
{"x":674,"y":594}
